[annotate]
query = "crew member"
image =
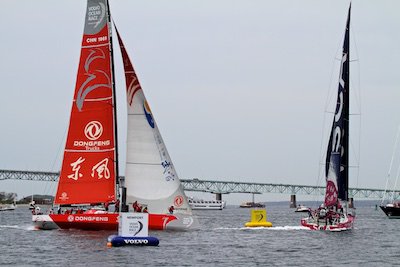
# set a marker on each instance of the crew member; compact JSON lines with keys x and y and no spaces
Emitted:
{"x":171,"y":209}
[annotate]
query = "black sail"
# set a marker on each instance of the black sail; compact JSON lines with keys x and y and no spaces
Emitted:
{"x":338,"y":147}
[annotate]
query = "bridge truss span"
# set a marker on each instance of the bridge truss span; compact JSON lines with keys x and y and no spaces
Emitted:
{"x":224,"y":187}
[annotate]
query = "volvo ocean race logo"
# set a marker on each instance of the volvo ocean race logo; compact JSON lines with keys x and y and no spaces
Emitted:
{"x":93,"y":131}
{"x":96,"y":14}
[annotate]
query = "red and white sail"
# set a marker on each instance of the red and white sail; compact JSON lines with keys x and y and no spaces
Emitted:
{"x":88,"y":168}
{"x":150,"y":176}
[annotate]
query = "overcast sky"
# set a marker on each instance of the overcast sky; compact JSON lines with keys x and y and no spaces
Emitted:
{"x":238,"y":88}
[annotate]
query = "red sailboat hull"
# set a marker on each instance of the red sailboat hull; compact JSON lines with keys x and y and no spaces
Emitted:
{"x":341,"y":225}
{"x":108,"y":221}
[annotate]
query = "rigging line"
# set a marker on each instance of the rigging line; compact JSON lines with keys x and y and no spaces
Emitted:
{"x":334,"y":72}
{"x":391,"y":163}
{"x":359,"y":150}
{"x":143,"y":163}
{"x":321,"y":151}
{"x":353,"y":37}
{"x":357,"y":155}
{"x":395,"y":183}
{"x":51,"y":186}
{"x":331,"y":88}
{"x":357,"y":103}
{"x":356,"y":94}
{"x":330,"y":95}
{"x":339,"y":59}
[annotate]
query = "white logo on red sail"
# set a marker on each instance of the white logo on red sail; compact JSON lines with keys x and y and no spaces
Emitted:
{"x":101,"y":169}
{"x":76,"y":166}
{"x":93,"y":130}
{"x":70,"y":218}
{"x":64,"y":196}
{"x":330,"y":194}
{"x":91,"y":82}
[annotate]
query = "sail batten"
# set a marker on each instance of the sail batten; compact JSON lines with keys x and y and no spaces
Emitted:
{"x":96,"y":99}
{"x":90,"y":151}
{"x":143,"y":163}
{"x":94,"y":46}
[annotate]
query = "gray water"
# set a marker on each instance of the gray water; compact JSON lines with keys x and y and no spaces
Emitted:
{"x":221,"y":241}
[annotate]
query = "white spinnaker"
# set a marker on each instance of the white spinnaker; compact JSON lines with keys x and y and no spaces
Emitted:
{"x":150,"y":176}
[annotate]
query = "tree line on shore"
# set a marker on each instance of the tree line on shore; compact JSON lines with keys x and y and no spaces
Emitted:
{"x":8,"y":198}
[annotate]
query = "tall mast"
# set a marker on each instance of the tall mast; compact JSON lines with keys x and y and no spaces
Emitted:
{"x":346,"y":78}
{"x":337,"y":156}
{"x":114,"y":96}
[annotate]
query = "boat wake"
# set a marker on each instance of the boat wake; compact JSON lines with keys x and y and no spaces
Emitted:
{"x":9,"y":226}
{"x":274,"y":228}
{"x":289,"y":228}
{"x":23,"y":227}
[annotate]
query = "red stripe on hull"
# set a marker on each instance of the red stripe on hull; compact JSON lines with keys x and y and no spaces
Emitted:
{"x":347,"y":225}
{"x":107,"y":221}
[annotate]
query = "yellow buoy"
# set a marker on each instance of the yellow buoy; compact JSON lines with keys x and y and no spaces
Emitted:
{"x":258,"y":219}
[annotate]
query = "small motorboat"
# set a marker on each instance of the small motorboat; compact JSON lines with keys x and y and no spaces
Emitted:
{"x":252,"y":205}
{"x":8,"y":208}
{"x":302,"y":208}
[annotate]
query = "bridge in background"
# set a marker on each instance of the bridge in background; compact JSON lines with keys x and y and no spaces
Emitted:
{"x":227,"y":187}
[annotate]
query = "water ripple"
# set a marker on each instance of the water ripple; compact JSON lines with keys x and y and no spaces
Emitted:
{"x":221,"y":241}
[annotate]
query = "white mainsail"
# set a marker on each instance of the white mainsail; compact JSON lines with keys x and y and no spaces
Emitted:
{"x":150,"y":176}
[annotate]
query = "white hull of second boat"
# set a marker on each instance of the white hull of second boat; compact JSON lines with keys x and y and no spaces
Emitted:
{"x":8,"y":208}
{"x":302,"y":208}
